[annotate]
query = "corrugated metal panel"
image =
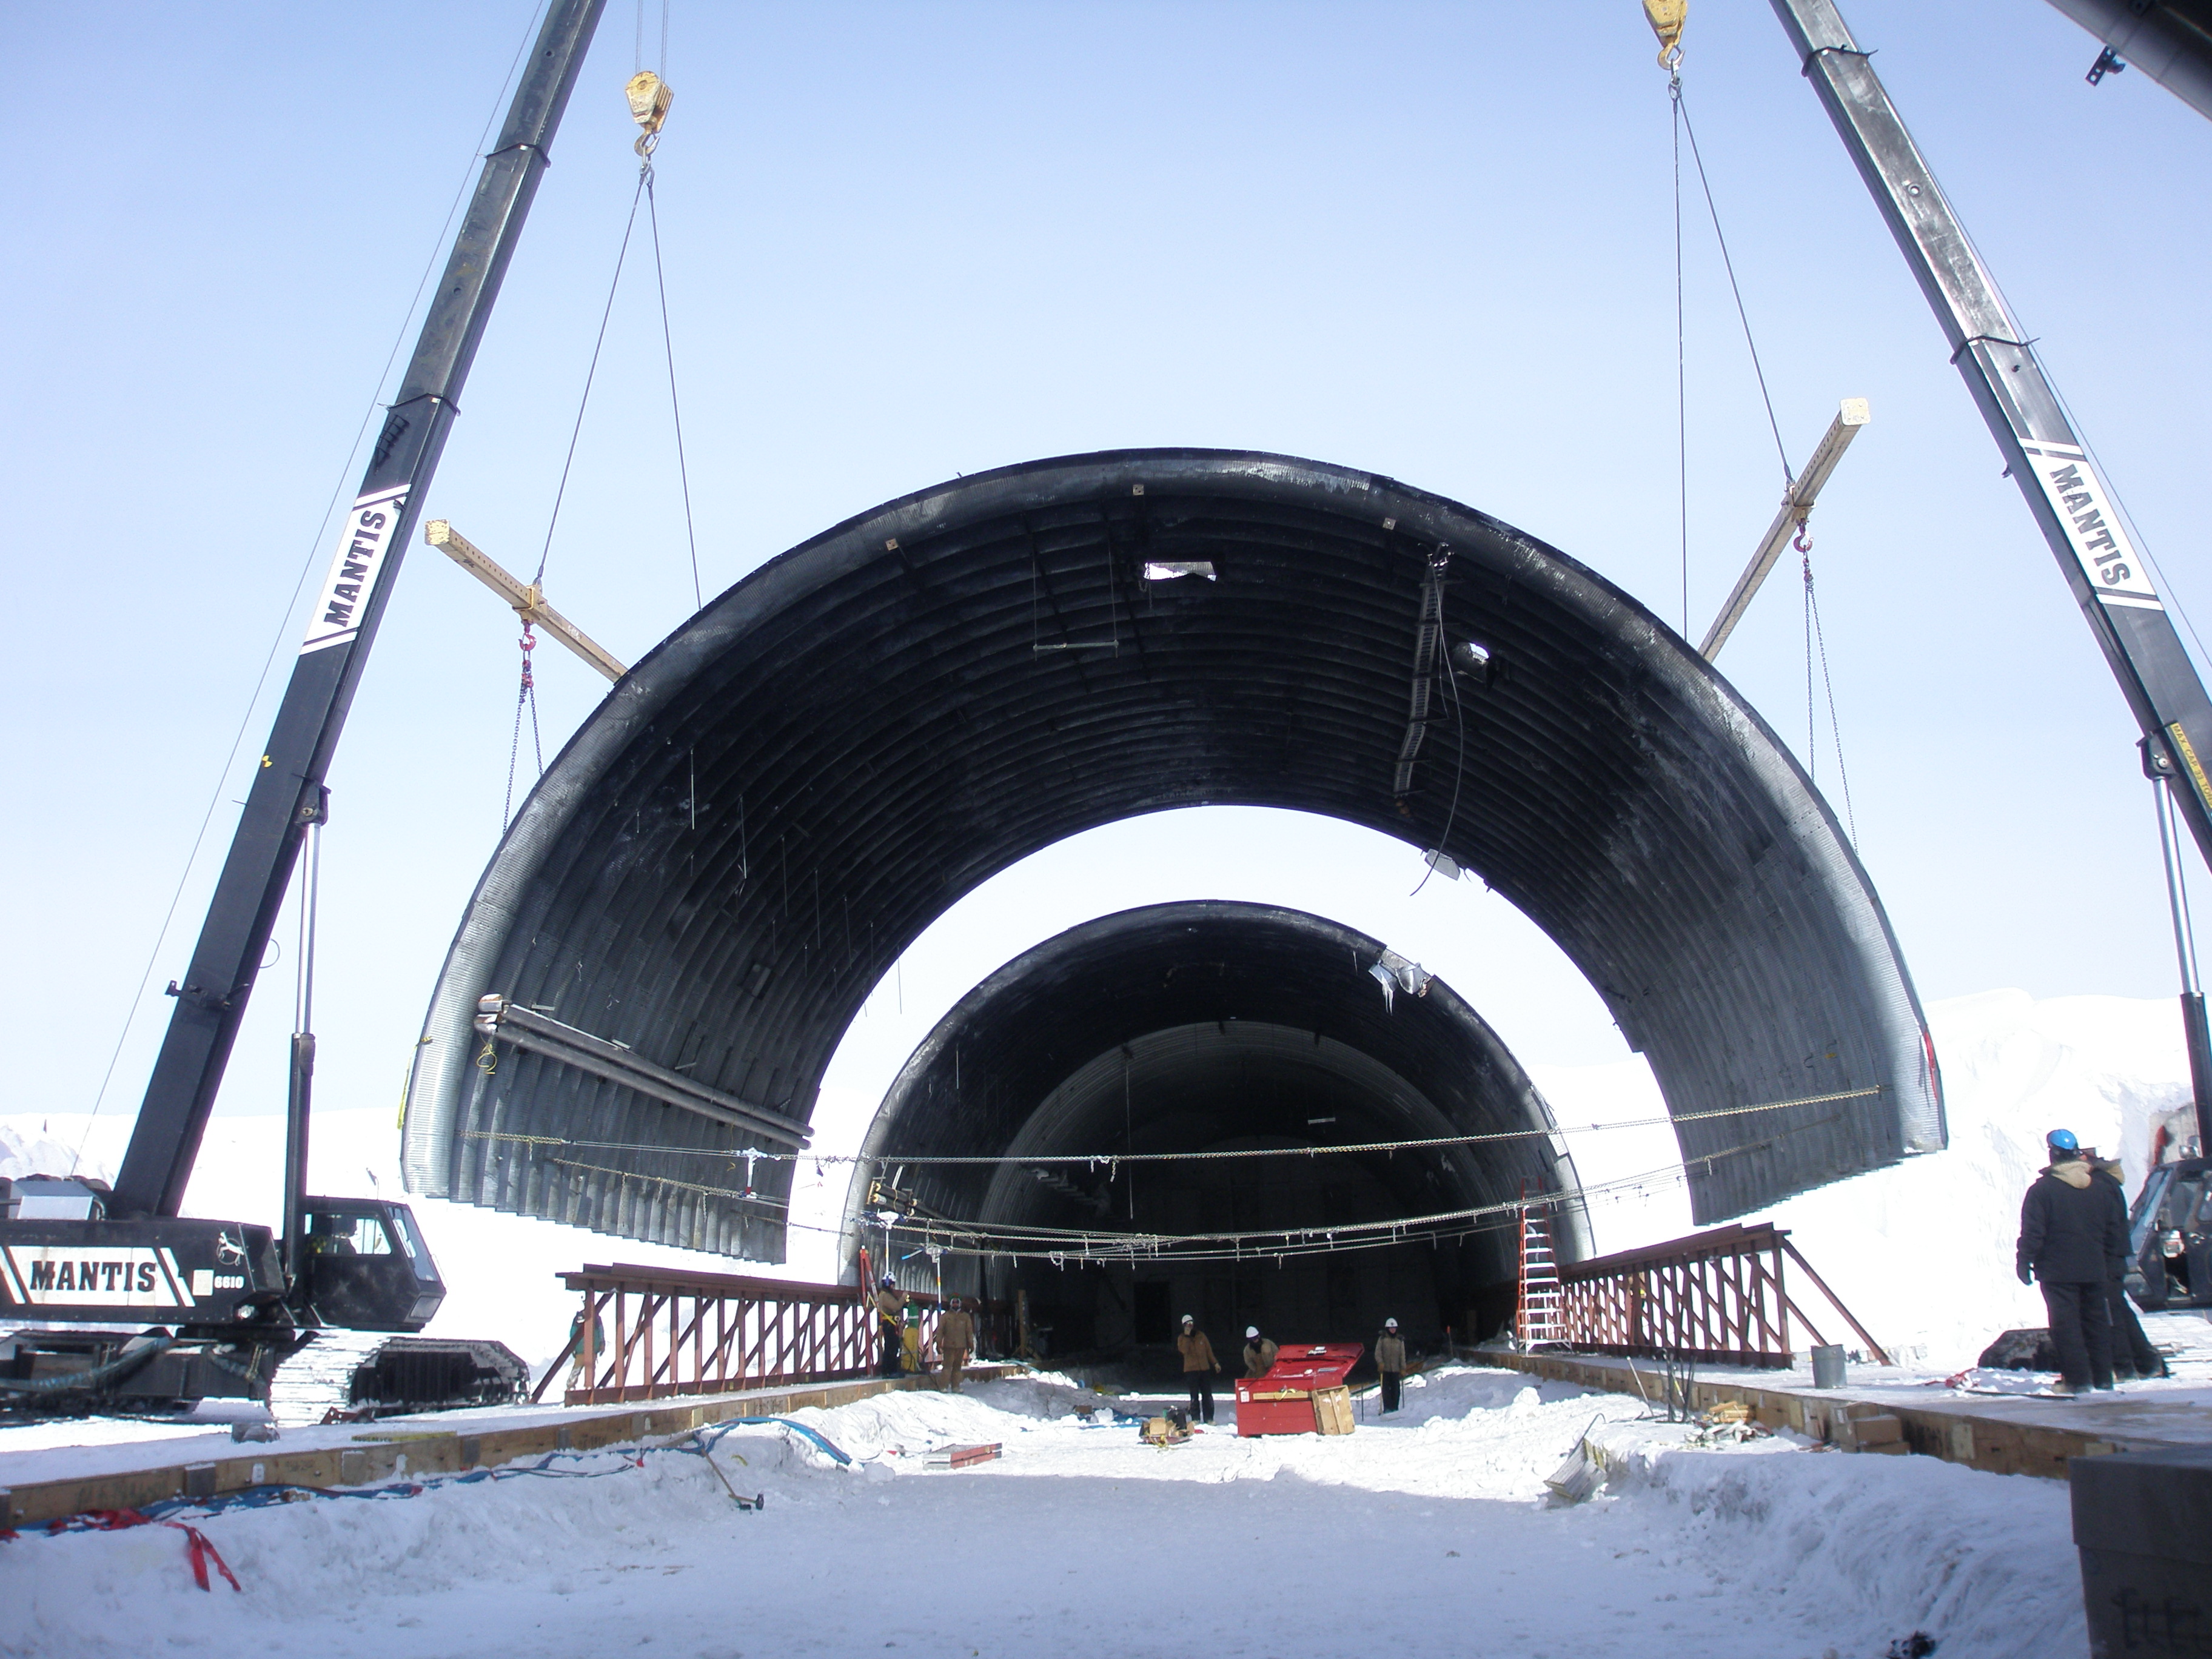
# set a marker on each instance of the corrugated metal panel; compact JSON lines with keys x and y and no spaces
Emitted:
{"x":778,"y":799}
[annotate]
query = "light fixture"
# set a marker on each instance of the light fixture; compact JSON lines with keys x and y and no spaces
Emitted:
{"x":1166,"y":570}
{"x":1443,"y":863}
{"x":1470,"y":660}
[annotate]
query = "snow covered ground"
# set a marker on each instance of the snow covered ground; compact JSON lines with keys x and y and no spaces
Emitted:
{"x":1427,"y":1533}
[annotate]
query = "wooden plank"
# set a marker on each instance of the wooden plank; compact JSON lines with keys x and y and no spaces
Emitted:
{"x":1797,"y":502}
{"x":526,"y":600}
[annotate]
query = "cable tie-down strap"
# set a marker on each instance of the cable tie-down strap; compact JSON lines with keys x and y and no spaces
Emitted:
{"x":201,"y":1547}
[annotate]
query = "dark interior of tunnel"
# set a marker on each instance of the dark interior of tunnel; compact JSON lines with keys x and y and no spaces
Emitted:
{"x":1191,"y":1031}
{"x":1205,"y":1089}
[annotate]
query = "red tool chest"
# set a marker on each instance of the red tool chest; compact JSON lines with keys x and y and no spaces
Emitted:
{"x":1282,"y":1402}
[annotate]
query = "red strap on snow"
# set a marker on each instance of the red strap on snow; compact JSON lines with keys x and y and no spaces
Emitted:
{"x":203,"y":1551}
{"x":202,"y":1548}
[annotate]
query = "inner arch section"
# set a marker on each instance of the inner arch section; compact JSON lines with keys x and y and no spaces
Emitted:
{"x":1183,"y":1031}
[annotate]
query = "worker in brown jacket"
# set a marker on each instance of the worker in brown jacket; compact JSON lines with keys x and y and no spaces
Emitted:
{"x":1390,"y":1362}
{"x":1259,"y":1354}
{"x":890,"y":1303}
{"x":956,"y":1340}
{"x":1198,"y":1367}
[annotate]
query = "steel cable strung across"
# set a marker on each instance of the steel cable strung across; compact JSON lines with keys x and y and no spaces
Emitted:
{"x":1059,"y":1245}
{"x":1093,"y":1160}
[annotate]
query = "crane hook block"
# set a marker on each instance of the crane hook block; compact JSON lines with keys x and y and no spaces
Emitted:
{"x":1665,"y":16}
{"x":650,"y":96}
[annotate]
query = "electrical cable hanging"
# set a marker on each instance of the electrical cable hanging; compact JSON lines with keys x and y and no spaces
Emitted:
{"x":1458,"y":764}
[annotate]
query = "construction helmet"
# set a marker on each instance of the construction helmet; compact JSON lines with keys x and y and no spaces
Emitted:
{"x":2062,"y":1140}
{"x":1389,"y":1324}
{"x":1251,"y":1332}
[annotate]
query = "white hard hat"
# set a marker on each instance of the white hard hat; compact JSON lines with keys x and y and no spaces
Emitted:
{"x":1389,"y":1324}
{"x":1187,"y":1320}
{"x":1251,"y":1332}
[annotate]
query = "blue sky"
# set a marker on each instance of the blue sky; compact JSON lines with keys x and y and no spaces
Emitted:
{"x":906,"y":242}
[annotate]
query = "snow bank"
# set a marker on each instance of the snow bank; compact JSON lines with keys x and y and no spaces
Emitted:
{"x":1430,"y":1530}
{"x":1923,"y":1253}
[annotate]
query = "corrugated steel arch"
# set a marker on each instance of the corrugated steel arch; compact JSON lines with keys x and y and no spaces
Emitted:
{"x":780,"y":798}
{"x":1215,"y":1003}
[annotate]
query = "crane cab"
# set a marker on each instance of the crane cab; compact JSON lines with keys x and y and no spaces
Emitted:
{"x":365,"y":1266}
{"x":2170,"y":1235}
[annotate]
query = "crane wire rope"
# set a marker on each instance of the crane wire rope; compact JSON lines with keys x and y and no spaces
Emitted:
{"x":1681,"y":369}
{"x":284,"y":628}
{"x":1816,"y":644}
{"x":1816,"y":637}
{"x":590,"y":374}
{"x":668,"y":349}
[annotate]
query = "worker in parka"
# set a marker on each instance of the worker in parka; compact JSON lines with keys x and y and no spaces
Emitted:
{"x":1199,"y":1369}
{"x":2072,"y":1240}
{"x":1391,"y":1363}
{"x":1259,"y":1353}
{"x":2133,"y":1353}
{"x":956,"y":1340}
{"x":890,"y":1305}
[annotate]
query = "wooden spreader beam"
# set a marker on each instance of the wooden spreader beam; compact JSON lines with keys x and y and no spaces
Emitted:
{"x":527,"y":598}
{"x":1796,"y":505}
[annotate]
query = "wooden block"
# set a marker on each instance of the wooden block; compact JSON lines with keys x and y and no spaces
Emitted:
{"x":1877,"y":1431}
{"x":1333,"y":1410}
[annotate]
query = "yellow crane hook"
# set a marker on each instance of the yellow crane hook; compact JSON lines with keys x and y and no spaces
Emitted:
{"x":1665,"y":18}
{"x":649,"y":98}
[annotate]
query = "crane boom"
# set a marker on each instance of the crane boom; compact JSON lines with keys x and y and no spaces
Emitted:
{"x":2072,"y":505}
{"x":287,"y":795}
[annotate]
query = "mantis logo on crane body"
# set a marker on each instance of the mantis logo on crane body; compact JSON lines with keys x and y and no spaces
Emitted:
{"x":363,"y":543}
{"x":103,"y":1275}
{"x":2093,"y":528}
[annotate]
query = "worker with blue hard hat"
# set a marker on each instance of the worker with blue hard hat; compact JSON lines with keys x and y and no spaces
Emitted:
{"x":2072,"y":1240}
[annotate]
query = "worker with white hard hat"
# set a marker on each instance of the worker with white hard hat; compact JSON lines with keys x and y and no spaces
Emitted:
{"x":1259,"y":1353}
{"x":1390,"y":1362}
{"x":1198,"y":1367}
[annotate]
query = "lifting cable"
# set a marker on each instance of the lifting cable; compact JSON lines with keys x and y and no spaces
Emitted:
{"x":649,"y":98}
{"x":1816,"y":639}
{"x":317,"y":551}
{"x":1665,"y":18}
